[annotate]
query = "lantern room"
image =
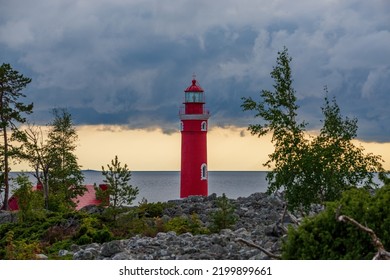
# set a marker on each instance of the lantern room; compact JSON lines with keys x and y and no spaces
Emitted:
{"x":194,"y":93}
{"x":194,"y":99}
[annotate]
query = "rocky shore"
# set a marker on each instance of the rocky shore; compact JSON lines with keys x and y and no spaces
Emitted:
{"x":259,"y":222}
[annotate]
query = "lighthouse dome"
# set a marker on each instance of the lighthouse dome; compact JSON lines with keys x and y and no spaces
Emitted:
{"x":195,"y":87}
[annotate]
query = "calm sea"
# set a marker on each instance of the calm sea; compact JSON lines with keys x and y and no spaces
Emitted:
{"x":165,"y":185}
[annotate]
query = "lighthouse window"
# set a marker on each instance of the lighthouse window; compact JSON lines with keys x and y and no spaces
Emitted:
{"x":194,"y":97}
{"x":181,"y":126}
{"x":203,"y":126}
{"x":203,"y":171}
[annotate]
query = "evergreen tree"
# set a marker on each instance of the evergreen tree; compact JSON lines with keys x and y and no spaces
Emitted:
{"x":11,"y":114}
{"x":224,"y":216}
{"x":119,"y":192}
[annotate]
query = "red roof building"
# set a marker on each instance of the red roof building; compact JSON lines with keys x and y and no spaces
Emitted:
{"x":89,"y":197}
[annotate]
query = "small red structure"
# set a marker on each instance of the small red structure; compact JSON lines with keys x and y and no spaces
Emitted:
{"x":89,"y":197}
{"x":194,"y":124}
{"x":13,"y":203}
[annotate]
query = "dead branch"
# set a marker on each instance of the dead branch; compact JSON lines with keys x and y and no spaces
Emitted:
{"x":280,"y":222}
{"x":251,"y":244}
{"x":381,"y":254}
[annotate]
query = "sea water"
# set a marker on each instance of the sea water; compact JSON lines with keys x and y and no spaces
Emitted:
{"x":165,"y":185}
{"x":162,"y":186}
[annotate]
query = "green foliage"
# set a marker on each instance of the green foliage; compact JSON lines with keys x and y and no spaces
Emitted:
{"x":66,"y":178}
{"x":224,"y":217}
{"x":20,"y":250}
{"x":30,"y":202}
{"x":278,"y":110}
{"x":54,"y":161}
{"x":144,"y":219}
{"x":119,"y":193}
{"x":323,"y":237}
{"x":56,"y":232}
{"x":11,"y":113}
{"x":102,"y":235}
{"x":59,"y":230}
{"x":334,"y":162}
{"x":152,"y":210}
{"x":310,"y":171}
{"x":190,"y":224}
{"x":91,"y":230}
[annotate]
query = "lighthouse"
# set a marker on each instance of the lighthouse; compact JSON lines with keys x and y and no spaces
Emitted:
{"x":193,"y":126}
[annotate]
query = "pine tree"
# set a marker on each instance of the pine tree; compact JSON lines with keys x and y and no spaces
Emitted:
{"x":224,"y":216}
{"x":119,"y":192}
{"x":11,"y":114}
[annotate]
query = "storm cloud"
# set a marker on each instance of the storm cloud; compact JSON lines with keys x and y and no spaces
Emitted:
{"x":128,"y":62}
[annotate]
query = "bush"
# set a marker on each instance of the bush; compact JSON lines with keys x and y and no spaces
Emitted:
{"x":102,"y":235}
{"x":152,"y":210}
{"x":84,"y":239}
{"x":183,"y":224}
{"x":224,"y":217}
{"x":20,"y":250}
{"x":30,"y":202}
{"x":91,"y":231}
{"x":323,"y":237}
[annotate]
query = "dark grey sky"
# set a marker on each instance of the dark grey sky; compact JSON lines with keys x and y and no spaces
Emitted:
{"x":128,"y":62}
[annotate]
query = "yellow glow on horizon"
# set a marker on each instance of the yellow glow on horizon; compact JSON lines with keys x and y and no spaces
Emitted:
{"x":148,"y":150}
{"x":229,"y":149}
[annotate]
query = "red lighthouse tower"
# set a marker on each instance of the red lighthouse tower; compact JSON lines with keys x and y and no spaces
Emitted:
{"x":193,"y":126}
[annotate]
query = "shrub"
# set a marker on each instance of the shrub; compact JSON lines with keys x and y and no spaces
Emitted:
{"x":84,"y":239}
{"x":92,"y":231}
{"x":323,"y":237}
{"x":183,"y":224}
{"x":102,"y":235}
{"x":30,"y":202}
{"x":20,"y":250}
{"x":224,"y":217}
{"x":152,"y":210}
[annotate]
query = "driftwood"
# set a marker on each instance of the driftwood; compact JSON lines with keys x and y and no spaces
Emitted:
{"x":381,"y":254}
{"x":251,"y":244}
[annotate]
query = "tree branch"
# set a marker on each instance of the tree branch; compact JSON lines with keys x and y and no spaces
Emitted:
{"x":251,"y":244}
{"x":381,"y":254}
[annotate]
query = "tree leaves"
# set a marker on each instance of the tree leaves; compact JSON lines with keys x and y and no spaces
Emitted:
{"x":119,"y":191}
{"x":313,"y":170}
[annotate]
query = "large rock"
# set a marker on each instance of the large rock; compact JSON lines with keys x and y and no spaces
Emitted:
{"x":111,"y":248}
{"x":8,"y":217}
